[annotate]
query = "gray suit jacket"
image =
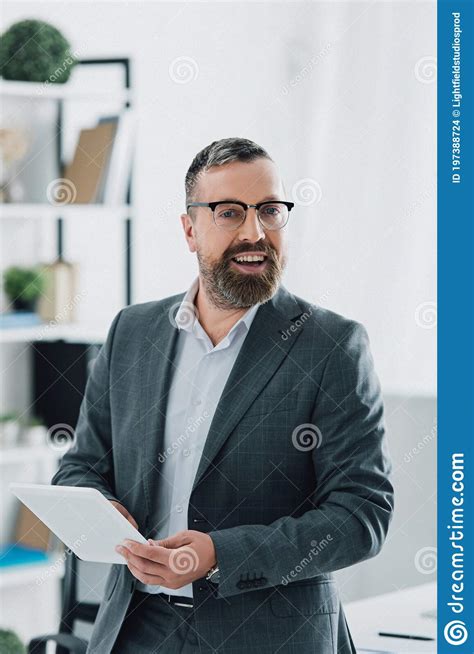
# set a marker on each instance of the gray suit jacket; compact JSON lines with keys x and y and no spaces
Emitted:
{"x":293,"y":482}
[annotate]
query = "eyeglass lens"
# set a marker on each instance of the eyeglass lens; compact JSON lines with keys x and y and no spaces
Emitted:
{"x":273,"y":215}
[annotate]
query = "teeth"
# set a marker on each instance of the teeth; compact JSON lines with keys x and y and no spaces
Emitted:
{"x":255,"y":257}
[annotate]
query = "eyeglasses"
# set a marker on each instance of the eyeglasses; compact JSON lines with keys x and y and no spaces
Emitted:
{"x":231,"y":214}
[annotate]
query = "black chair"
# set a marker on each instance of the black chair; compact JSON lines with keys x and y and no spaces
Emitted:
{"x":72,"y":610}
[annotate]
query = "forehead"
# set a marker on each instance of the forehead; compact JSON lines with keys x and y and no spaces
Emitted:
{"x":246,"y":181}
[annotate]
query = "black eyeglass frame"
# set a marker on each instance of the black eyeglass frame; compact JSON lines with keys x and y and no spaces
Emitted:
{"x":213,"y":205}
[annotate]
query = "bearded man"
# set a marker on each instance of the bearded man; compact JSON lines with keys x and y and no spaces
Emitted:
{"x":241,"y":429}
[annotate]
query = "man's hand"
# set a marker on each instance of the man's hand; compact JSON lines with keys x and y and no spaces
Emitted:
{"x":172,"y":562}
{"x":125,"y":513}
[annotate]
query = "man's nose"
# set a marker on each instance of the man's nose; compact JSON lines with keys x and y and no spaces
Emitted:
{"x":251,"y":229}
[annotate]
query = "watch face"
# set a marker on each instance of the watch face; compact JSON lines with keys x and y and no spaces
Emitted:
{"x":214,"y":577}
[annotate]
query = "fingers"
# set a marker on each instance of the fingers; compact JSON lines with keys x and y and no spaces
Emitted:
{"x":154,"y":552}
{"x":144,"y":577}
{"x":144,"y":565}
{"x":177,"y":540}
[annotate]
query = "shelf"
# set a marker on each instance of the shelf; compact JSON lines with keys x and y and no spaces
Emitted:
{"x":72,"y":333}
{"x":28,"y":453}
{"x":68,"y":211}
{"x":33,"y":572}
{"x":42,"y":91}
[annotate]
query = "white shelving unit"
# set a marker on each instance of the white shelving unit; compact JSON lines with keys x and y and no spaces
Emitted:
{"x":28,"y":454}
{"x":38,"y":463}
{"x":72,"y":333}
{"x":38,"y":91}
{"x":64,"y":213}
{"x":36,"y":573}
{"x":30,"y":594}
{"x":68,"y":211}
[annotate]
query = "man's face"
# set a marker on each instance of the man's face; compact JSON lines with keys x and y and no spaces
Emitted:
{"x":228,"y":284}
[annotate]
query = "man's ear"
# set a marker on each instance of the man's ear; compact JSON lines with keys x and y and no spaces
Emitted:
{"x":188,"y":228}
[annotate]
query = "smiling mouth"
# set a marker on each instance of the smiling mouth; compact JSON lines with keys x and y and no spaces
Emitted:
{"x":250,"y":264}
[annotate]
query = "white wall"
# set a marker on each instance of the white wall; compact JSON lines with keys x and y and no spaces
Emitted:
{"x":330,"y":90}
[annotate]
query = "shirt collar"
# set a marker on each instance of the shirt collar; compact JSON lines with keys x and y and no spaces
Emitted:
{"x":186,"y":315}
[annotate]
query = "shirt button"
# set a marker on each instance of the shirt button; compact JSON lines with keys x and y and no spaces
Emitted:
{"x":179,"y":508}
{"x":186,"y":452}
{"x":197,"y":402}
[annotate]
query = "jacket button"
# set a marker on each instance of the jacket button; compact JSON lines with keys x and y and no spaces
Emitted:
{"x":241,"y":584}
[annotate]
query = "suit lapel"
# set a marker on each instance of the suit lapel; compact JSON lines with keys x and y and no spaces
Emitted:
{"x":157,"y":361}
{"x":262,"y":352}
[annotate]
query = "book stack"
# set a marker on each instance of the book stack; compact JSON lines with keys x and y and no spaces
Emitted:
{"x":100,"y":168}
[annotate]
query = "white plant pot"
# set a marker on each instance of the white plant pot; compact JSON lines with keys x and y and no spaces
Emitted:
{"x":9,"y":433}
{"x":36,"y":436}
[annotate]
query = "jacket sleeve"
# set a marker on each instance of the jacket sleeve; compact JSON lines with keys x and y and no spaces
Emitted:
{"x":89,"y":461}
{"x":353,"y":494}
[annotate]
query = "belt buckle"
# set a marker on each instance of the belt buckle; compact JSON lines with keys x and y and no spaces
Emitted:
{"x":188,"y":606}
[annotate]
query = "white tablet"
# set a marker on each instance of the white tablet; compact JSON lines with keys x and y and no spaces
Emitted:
{"x":81,"y":517}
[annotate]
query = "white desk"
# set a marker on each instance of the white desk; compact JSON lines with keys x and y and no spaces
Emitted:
{"x":398,"y":612}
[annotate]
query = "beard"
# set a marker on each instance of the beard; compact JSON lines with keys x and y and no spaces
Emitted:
{"x":228,"y":288}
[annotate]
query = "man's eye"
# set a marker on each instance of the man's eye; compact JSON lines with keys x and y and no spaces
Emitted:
{"x":227,"y":214}
{"x":271,"y":211}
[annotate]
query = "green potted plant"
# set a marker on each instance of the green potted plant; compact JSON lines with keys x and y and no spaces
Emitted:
{"x":10,"y":643}
{"x":35,"y":51}
{"x":23,"y":287}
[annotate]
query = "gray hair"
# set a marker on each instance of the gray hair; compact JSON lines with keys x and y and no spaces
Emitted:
{"x":217,"y":154}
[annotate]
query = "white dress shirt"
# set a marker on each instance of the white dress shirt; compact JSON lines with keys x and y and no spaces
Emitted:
{"x":200,"y":374}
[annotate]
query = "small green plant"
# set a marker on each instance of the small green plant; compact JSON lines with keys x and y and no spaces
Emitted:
{"x":35,"y":51}
{"x":23,"y":286}
{"x":10,"y":643}
{"x":33,"y":421}
{"x":9,"y":417}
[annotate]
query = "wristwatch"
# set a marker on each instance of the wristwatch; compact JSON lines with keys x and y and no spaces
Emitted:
{"x":213,"y":574}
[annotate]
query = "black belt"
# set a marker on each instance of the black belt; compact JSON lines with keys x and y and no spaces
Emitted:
{"x":177,"y":600}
